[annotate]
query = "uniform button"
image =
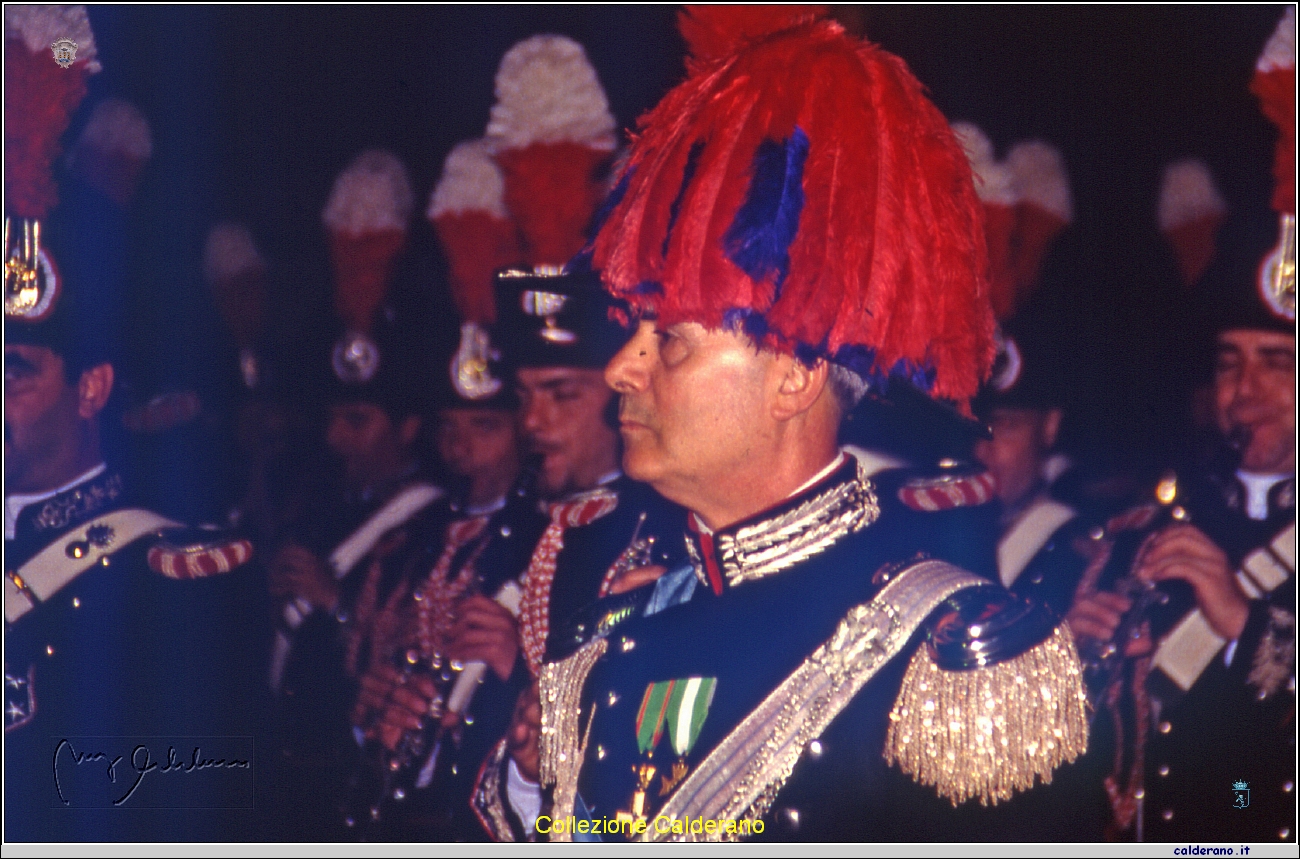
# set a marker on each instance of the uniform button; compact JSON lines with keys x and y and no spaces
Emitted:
{"x":1167,"y":814}
{"x":505,"y":530}
{"x":76,"y":602}
{"x":1284,"y":833}
{"x":1164,"y":771}
{"x":1165,"y":727}
{"x":455,"y":769}
{"x":612,"y":698}
{"x":1140,"y":793}
{"x":626,"y":643}
{"x":1037,"y":579}
{"x":103,"y":562}
{"x":600,"y":753}
{"x":791,"y":817}
{"x":1287,"y":787}
{"x":1097,"y":533}
{"x":815,"y":749}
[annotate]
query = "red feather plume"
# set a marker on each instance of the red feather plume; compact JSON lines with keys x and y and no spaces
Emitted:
{"x":39,"y":100}
{"x":363,"y":265}
{"x":716,"y":31}
{"x":1276,"y":91}
{"x":889,"y":255}
{"x":553,"y":191}
{"x":477,"y":243}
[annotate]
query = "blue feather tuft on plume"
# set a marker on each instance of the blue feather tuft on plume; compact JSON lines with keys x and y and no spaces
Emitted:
{"x":759,"y":238}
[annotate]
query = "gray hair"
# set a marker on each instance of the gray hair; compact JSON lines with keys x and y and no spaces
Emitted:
{"x":848,"y":387}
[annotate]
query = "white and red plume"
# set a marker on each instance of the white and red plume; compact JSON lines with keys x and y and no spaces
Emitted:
{"x":1189,"y":214}
{"x":367,"y":215}
{"x":468,"y":212}
{"x":40,"y":97}
{"x":552,"y":134}
{"x":113,"y":149}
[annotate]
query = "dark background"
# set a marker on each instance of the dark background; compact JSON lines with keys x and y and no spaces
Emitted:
{"x":256,"y":109}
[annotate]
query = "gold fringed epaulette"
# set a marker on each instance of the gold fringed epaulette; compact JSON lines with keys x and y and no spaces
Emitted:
{"x":988,"y":731}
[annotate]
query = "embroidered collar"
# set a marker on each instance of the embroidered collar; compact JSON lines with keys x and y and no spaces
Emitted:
{"x":74,"y":504}
{"x":807,"y":523}
{"x":15,"y":503}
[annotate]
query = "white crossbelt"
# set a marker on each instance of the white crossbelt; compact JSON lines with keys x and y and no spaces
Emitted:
{"x":345,"y":556}
{"x":72,"y":554}
{"x":1192,"y":644}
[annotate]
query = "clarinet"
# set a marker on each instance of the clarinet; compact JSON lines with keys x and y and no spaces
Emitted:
{"x":1104,"y":661}
{"x":384,"y":777}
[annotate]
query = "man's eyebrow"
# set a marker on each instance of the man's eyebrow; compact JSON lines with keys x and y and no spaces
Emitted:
{"x":1277,"y":352}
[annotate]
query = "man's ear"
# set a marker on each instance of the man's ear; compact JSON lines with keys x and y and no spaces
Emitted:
{"x":800,"y":386}
{"x":93,"y":389}
{"x":409,"y":429}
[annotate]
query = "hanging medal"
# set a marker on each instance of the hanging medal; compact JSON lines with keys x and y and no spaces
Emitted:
{"x":681,"y":706}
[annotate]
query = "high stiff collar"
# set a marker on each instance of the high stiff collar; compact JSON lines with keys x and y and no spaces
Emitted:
{"x":808,"y":522}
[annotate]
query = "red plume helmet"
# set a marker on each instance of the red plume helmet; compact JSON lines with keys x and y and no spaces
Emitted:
{"x":1274,"y":84}
{"x":49,"y":54}
{"x":468,"y":212}
{"x":552,"y":134}
{"x":799,"y":185}
{"x":366,"y":217}
{"x":1190,"y":213}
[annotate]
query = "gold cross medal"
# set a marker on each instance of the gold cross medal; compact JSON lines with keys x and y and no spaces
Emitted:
{"x":680,"y":705}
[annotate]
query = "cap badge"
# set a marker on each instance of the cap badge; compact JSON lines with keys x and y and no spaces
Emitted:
{"x":547,"y":304}
{"x":470,"y":374}
{"x":31,"y":281}
{"x":355,"y":359}
{"x":1277,"y":274}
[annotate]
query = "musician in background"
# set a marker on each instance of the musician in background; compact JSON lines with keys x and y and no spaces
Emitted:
{"x":1213,"y":742}
{"x":373,"y":390}
{"x":461,"y":551}
{"x":603,"y":533}
{"x":1037,"y":531}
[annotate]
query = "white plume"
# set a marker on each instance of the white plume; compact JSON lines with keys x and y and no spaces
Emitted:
{"x":40,"y":26}
{"x":230,"y":251}
{"x":372,"y":195}
{"x":471,"y":182}
{"x":1187,"y":193}
{"x":1040,"y":177}
{"x":993,"y":182}
{"x":116,"y":125}
{"x":1279,"y":52}
{"x":547,"y":92}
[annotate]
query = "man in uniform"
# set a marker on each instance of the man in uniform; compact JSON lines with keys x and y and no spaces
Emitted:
{"x":601,"y":531}
{"x":1215,"y":710}
{"x":1036,"y":555}
{"x":1209,"y":745}
{"x":130,"y":641}
{"x":795,"y":220}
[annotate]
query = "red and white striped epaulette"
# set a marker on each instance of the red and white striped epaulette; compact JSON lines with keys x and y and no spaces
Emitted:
{"x":200,"y":558}
{"x":948,"y":488}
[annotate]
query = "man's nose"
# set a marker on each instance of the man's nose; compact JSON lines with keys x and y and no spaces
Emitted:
{"x":626,"y":371}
